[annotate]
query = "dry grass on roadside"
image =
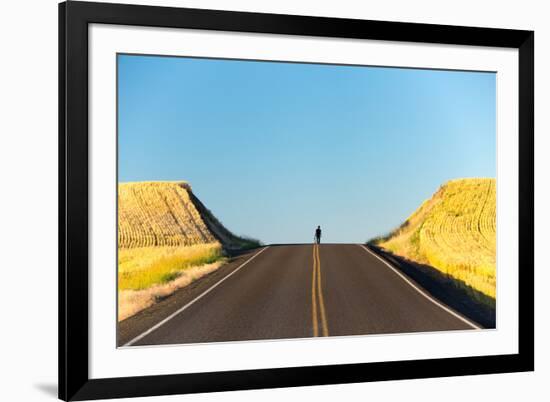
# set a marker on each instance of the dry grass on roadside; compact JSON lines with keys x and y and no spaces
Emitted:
{"x":148,"y":274}
{"x":132,"y":301}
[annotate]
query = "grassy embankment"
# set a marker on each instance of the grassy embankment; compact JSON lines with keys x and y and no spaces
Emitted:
{"x":454,"y":232}
{"x":167,"y":239}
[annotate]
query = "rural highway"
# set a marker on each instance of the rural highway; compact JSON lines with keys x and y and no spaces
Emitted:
{"x":294,"y":291}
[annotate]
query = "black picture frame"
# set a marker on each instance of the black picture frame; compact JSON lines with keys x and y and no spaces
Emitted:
{"x":74,"y":18}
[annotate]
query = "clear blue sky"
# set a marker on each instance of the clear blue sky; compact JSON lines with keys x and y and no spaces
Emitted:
{"x":275,"y":149}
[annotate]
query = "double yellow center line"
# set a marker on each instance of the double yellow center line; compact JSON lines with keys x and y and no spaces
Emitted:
{"x":317,"y":302}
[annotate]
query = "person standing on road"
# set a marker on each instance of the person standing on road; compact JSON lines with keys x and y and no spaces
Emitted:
{"x":318,"y":235}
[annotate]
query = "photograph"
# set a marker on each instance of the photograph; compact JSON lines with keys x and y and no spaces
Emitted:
{"x":269,"y":200}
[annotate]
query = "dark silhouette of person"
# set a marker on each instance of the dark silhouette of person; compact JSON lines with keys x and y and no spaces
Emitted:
{"x":318,"y":235}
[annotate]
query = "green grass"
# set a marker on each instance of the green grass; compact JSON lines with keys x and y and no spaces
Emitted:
{"x":246,"y":242}
{"x":141,"y":268}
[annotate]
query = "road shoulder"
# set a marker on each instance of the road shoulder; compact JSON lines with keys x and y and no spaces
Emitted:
{"x":441,"y":288}
{"x":133,"y":326}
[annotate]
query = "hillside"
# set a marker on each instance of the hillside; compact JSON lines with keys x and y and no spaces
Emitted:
{"x":152,"y":214}
{"x":455,"y":232}
{"x":166,"y":240}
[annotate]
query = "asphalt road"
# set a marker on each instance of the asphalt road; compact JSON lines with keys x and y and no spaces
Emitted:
{"x":294,"y":291}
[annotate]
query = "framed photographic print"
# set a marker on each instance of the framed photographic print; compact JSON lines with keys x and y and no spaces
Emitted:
{"x":257,"y":200}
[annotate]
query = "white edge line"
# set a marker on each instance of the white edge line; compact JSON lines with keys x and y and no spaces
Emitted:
{"x":161,"y":323}
{"x":427,"y":296}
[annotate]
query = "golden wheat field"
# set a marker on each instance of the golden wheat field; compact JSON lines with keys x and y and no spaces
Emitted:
{"x":166,"y":239}
{"x":455,"y":232}
{"x":159,"y":214}
{"x":163,"y":243}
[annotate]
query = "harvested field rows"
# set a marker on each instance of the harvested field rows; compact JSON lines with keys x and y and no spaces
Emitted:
{"x":455,"y":232}
{"x":159,"y":214}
